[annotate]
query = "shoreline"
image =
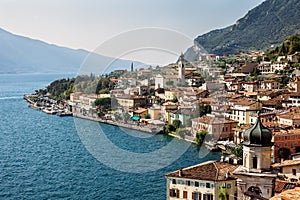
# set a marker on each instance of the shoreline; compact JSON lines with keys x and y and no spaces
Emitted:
{"x":120,"y":124}
{"x":142,"y":128}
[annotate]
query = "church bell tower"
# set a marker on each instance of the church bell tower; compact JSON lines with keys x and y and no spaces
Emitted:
{"x":255,"y":177}
{"x":181,"y":68}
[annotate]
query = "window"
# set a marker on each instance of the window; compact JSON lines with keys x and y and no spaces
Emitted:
{"x":228,"y":185}
{"x":207,"y":185}
{"x":196,"y":196}
{"x":185,"y":194}
{"x":208,"y":197}
{"x":294,"y":172}
{"x":188,"y":183}
{"x":173,"y":181}
{"x":196,"y":184}
{"x":174,"y":193}
{"x":192,"y":183}
{"x":254,"y":162}
{"x":235,"y":196}
{"x":202,"y":185}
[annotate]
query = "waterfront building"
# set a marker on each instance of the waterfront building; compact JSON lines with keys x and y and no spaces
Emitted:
{"x":210,"y":180}
{"x":131,"y":101}
{"x":219,"y":128}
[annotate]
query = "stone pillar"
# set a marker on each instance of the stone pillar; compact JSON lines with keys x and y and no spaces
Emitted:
{"x":241,"y":188}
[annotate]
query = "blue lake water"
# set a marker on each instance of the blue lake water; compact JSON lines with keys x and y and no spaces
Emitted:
{"x":44,"y":157}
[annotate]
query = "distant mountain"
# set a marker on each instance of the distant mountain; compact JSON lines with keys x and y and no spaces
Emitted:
{"x":263,"y":27}
{"x":20,"y":54}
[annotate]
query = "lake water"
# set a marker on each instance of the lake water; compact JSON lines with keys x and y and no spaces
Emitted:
{"x":46,"y":157}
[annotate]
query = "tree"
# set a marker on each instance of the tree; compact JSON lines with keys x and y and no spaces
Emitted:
{"x":147,"y":116}
{"x":174,"y":100}
{"x":103,"y":104}
{"x":200,"y":137}
{"x":169,"y":129}
{"x":160,"y":90}
{"x":169,"y":82}
{"x":238,"y":151}
{"x":176,"y":123}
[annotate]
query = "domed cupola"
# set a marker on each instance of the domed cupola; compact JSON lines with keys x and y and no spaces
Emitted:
{"x":258,"y":135}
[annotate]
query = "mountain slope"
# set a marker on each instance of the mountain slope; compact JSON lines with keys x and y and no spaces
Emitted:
{"x":262,"y":27}
{"x":20,"y":54}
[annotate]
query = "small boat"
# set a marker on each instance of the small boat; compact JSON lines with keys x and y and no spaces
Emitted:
{"x":49,"y":111}
{"x":64,"y":114}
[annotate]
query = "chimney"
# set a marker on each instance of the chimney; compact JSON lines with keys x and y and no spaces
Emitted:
{"x":227,"y":174}
{"x":222,"y":159}
{"x":180,"y":172}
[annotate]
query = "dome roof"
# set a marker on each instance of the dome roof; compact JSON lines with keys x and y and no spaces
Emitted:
{"x":258,"y":135}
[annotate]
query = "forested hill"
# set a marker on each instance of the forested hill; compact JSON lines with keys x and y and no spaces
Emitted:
{"x":263,"y":27}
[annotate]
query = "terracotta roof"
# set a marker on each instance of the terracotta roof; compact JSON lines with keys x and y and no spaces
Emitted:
{"x":140,"y":111}
{"x":213,"y":120}
{"x":245,"y":102}
{"x":211,"y":170}
{"x":287,"y":163}
{"x":280,"y":186}
{"x":288,"y":194}
{"x":290,"y":116}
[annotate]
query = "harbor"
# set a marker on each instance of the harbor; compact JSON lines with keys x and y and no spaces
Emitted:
{"x":62,"y":109}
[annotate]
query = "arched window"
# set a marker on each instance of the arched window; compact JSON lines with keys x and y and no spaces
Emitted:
{"x":254,"y":190}
{"x":254,"y":162}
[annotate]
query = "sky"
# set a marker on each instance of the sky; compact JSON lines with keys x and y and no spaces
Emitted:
{"x":86,"y":24}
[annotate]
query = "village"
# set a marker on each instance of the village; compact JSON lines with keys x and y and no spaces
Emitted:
{"x":246,"y":105}
{"x":255,"y":103}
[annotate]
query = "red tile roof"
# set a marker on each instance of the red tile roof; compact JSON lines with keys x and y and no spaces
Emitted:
{"x":211,"y":170}
{"x":288,"y":194}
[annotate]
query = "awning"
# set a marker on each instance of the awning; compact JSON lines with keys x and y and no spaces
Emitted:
{"x":135,"y":118}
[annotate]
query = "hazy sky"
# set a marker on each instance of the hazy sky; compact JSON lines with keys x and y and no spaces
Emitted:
{"x":87,"y":23}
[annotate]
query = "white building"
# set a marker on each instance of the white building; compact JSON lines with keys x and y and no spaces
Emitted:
{"x":210,"y":181}
{"x":242,"y":110}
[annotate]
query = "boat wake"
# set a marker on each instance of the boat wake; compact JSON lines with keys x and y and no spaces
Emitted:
{"x":13,"y":97}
